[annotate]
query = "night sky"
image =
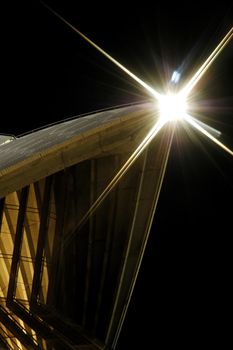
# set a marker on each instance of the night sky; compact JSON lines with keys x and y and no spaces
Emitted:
{"x":184,"y":292}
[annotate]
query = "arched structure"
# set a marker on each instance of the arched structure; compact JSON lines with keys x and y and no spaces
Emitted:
{"x":62,"y":285}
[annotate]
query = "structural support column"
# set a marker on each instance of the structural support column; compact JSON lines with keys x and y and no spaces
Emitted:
{"x":18,"y":332}
{"x":41,"y":240}
{"x":3,"y":344}
{"x":40,"y":327}
{"x":17,"y":243}
{"x":60,"y":197}
{"x":2,"y":202}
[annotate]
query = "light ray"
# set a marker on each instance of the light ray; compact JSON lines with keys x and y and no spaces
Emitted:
{"x":145,"y":142}
{"x":214,"y":132}
{"x":204,"y":67}
{"x":196,"y":125}
{"x":151,"y":90}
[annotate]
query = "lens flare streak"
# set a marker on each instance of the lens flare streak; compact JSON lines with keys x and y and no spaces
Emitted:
{"x":197,"y":126}
{"x":145,"y":142}
{"x":151,"y":90}
{"x":214,"y":132}
{"x":204,"y":67}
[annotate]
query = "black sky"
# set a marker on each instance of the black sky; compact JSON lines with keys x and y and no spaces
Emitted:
{"x":183,"y":294}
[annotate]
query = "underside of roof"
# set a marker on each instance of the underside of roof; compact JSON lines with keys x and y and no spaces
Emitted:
{"x":68,"y":259}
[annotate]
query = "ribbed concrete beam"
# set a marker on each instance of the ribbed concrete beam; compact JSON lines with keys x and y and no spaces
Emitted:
{"x":44,"y":152}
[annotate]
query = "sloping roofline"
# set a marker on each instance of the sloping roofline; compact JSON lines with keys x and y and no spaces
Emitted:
{"x":44,"y":152}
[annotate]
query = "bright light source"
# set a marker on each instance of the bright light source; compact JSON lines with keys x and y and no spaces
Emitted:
{"x":172,"y":107}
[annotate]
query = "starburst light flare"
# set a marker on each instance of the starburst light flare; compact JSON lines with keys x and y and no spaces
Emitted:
{"x":172,"y":107}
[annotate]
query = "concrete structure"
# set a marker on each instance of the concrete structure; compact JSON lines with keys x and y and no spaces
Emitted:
{"x":64,"y":285}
